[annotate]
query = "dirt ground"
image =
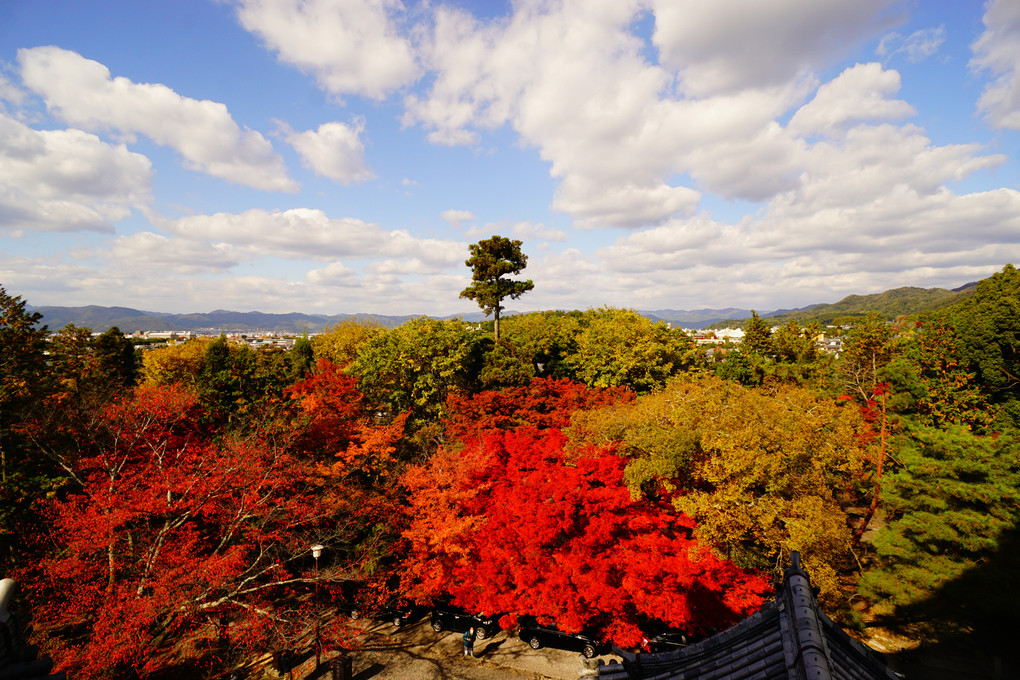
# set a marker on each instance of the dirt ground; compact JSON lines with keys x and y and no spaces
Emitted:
{"x":416,"y":652}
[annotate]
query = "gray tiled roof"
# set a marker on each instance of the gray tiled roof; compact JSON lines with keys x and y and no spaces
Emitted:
{"x":787,"y":639}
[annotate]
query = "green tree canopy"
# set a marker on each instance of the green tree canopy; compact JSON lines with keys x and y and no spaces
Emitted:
{"x":415,"y":366}
{"x":339,"y":343}
{"x":988,"y":325}
{"x":547,"y":339}
{"x":757,"y":336}
{"x":491,"y":261}
{"x":301,"y":358}
{"x":22,"y":345}
{"x":867,"y":348}
{"x":22,"y":373}
{"x":180,"y":362}
{"x":952,"y":497}
{"x":117,"y":357}
{"x":619,"y":347}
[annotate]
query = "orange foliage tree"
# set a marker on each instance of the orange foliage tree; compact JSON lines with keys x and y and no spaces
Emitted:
{"x":355,"y":465}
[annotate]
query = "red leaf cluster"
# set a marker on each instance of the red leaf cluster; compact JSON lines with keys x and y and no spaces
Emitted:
{"x":332,"y":408}
{"x":545,"y":402}
{"x":510,"y":525}
{"x":170,"y":524}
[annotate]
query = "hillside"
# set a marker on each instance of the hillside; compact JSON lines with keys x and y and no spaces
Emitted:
{"x":889,"y":305}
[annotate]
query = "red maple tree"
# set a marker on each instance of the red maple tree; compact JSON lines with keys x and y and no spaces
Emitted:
{"x":511,"y":524}
{"x":544,"y":402}
{"x":172,"y":525}
{"x":332,"y":409}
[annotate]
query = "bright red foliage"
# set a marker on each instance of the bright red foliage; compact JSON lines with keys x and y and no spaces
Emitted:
{"x":332,"y":406}
{"x":169,"y":527}
{"x":355,"y":455}
{"x":545,"y":402}
{"x":509,"y":525}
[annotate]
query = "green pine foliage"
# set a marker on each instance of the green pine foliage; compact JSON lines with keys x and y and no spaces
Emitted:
{"x":988,"y":325}
{"x":949,"y":502}
{"x":757,"y":336}
{"x":23,"y":477}
{"x":492,"y":261}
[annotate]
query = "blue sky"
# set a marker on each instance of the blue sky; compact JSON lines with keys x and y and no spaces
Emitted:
{"x":339,"y":156}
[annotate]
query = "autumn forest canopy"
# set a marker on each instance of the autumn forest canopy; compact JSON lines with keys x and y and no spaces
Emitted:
{"x":592,"y":469}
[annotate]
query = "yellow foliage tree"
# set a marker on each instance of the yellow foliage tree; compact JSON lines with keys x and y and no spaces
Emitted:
{"x":177,"y":363}
{"x":340,"y":342}
{"x":763,"y":472}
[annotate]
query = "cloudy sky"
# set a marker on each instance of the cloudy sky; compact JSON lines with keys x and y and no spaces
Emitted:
{"x":339,"y":156}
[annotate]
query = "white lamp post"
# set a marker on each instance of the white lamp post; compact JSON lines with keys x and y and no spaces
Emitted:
{"x":316,"y":552}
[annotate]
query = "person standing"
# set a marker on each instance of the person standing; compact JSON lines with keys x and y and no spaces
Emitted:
{"x":469,"y":642}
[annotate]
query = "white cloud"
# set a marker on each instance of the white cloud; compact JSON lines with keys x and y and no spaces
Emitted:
{"x":303,"y":233}
{"x":523,"y":231}
{"x":155,"y":252}
{"x":255,"y":293}
{"x":401,"y":268}
{"x":595,"y":204}
{"x":529,"y":231}
{"x":750,"y":168}
{"x":678,"y":245}
{"x":871,"y":211}
{"x":457,"y":218}
{"x":352,"y":46}
{"x":569,"y":77}
{"x":82,"y":93}
{"x":729,"y":45}
{"x":334,"y":150}
{"x":858,"y":94}
{"x":9,"y":92}
{"x":871,"y":163}
{"x":652,"y":135}
{"x":573,"y":80}
{"x":334,"y":275}
{"x":998,"y":51}
{"x":66,"y":180}
{"x":917,"y":46}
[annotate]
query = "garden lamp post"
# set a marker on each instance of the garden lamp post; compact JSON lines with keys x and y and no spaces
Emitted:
{"x":316,"y":552}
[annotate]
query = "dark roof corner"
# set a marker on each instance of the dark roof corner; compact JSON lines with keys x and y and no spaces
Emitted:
{"x":788,"y":639}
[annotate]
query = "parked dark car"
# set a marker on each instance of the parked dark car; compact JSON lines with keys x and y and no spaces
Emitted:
{"x":346,"y":596}
{"x":459,"y":621}
{"x":537,"y":636}
{"x":398,"y":612}
{"x":665,"y":641}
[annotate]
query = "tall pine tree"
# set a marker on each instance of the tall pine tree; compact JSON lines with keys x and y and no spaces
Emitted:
{"x":491,"y":261}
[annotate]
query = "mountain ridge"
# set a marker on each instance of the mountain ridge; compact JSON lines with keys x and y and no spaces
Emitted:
{"x":889,"y":304}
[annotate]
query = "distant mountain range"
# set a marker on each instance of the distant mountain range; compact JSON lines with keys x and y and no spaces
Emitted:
{"x":890,"y":304}
{"x":131,"y":320}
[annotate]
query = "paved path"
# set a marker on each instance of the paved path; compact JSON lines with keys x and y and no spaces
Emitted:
{"x":416,"y":652}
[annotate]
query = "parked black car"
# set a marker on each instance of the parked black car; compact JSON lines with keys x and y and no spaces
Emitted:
{"x":537,"y":636}
{"x":457,"y":620}
{"x":398,"y":612}
{"x":346,"y":596}
{"x":665,"y":641}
